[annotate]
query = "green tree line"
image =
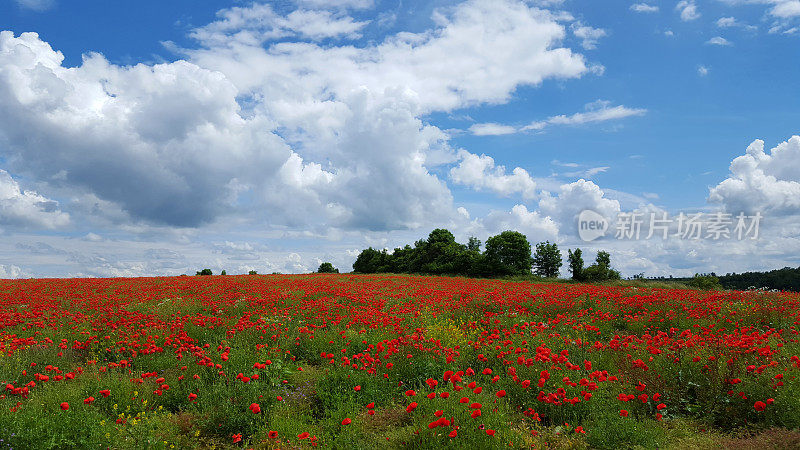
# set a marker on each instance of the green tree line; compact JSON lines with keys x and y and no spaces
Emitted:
{"x":508,"y":253}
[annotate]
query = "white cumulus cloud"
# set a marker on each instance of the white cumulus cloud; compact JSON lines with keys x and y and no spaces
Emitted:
{"x":763,"y":182}
{"x":687,"y":10}
{"x":481,"y":173}
{"x":27,"y":209}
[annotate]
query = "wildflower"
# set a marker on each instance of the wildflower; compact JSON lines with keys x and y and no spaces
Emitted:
{"x":64,"y":406}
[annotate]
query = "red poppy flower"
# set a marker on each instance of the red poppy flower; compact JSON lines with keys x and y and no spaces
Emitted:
{"x":105,"y":392}
{"x":237,"y":438}
{"x":623,"y":413}
{"x":88,"y":401}
{"x":346,"y":421}
{"x":272,"y":434}
{"x":760,"y":406}
{"x":64,"y":406}
{"x":303,"y":435}
{"x":255,"y":408}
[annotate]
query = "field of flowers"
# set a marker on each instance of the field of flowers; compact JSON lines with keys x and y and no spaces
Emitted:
{"x":347,"y":361}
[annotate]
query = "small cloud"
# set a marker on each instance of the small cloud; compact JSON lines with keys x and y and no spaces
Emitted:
{"x":595,"y":170}
{"x":556,"y":162}
{"x":731,"y":22}
{"x":669,"y":33}
{"x":92,"y":237}
{"x":589,"y":35}
{"x":644,"y":8}
{"x":688,"y":10}
{"x":36,"y":5}
{"x":491,"y":129}
{"x":718,"y":40}
{"x":597,"y":111}
{"x":588,"y":173}
{"x":650,"y":195}
{"x":702,"y":71}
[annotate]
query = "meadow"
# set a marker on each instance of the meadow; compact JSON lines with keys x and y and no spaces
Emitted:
{"x":361,"y":362}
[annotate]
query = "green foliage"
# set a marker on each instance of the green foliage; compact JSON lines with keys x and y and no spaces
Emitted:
{"x":576,"y":264}
{"x":706,"y":282}
{"x":204,"y":272}
{"x":547,"y":259}
{"x":371,"y":261}
{"x":252,"y":272}
{"x":474,"y":244}
{"x":601,"y":270}
{"x":223,"y":272}
{"x":786,"y":279}
{"x":327,"y":267}
{"x":508,"y":253}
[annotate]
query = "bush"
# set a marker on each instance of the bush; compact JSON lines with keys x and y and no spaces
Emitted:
{"x":204,"y":272}
{"x":327,"y":267}
{"x":706,"y":282}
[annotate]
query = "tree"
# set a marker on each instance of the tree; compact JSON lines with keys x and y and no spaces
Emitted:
{"x":474,"y":244}
{"x":547,"y":259}
{"x":442,"y":253}
{"x":223,"y":272}
{"x":252,"y":272}
{"x":204,"y":272}
{"x":576,"y":264}
{"x":601,"y":269}
{"x":603,"y":259}
{"x":508,"y":253}
{"x":371,"y":261}
{"x":707,"y":282}
{"x":327,"y":267}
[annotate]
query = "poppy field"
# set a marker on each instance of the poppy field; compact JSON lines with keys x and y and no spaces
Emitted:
{"x":347,"y":361}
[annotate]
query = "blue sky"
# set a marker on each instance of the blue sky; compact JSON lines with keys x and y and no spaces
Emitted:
{"x":167,"y":136}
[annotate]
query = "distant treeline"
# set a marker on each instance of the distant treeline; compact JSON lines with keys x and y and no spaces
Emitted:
{"x":786,"y":279}
{"x":508,"y":253}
